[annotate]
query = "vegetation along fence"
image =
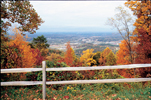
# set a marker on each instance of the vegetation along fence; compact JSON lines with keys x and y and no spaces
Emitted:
{"x":44,"y":69}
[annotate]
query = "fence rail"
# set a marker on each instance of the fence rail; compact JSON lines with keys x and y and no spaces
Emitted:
{"x":20,"y":70}
{"x":23,"y":83}
{"x":44,"y":69}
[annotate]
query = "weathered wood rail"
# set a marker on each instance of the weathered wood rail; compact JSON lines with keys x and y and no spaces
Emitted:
{"x":20,"y":70}
{"x":25,"y":83}
{"x":44,"y":69}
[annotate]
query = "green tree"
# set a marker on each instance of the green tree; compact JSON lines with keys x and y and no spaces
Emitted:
{"x":39,"y":42}
{"x":110,"y":59}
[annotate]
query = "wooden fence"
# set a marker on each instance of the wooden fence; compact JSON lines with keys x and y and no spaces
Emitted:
{"x":44,"y":69}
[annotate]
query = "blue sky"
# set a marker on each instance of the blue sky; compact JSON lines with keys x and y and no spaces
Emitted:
{"x":76,"y":16}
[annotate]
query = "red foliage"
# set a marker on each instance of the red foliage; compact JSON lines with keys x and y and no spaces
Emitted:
{"x":66,"y":97}
{"x":11,"y":56}
{"x":88,"y":74}
{"x":144,"y":47}
{"x":38,"y":56}
{"x":17,"y":53}
{"x":143,"y":50}
{"x":61,"y":60}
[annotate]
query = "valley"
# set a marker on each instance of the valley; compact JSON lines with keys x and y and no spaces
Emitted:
{"x":81,"y":41}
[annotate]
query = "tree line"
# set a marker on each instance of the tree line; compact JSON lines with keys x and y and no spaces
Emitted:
{"x":16,"y":52}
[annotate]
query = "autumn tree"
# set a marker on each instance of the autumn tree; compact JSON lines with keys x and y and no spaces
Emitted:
{"x":20,"y":12}
{"x":10,"y":56}
{"x":122,"y":22}
{"x":143,"y":51}
{"x":54,"y":57}
{"x":17,"y":53}
{"x":142,"y":32}
{"x":102,"y":60}
{"x":38,"y":56}
{"x":110,"y":59}
{"x":142,"y":10}
{"x":143,"y":48}
{"x":123,"y":58}
{"x":103,"y":55}
{"x":106,"y":51}
{"x":87,"y":60}
{"x":123,"y":54}
{"x":69,"y":55}
{"x":87,"y":57}
{"x":77,"y":62}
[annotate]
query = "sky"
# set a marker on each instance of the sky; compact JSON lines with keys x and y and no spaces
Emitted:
{"x":76,"y":16}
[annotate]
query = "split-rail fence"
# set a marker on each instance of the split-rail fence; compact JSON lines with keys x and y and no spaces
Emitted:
{"x":44,"y":69}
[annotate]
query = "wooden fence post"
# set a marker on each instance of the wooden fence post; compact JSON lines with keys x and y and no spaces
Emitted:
{"x":44,"y":79}
{"x":134,"y":72}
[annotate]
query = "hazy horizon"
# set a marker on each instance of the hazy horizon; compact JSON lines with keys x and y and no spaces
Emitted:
{"x":76,"y":16}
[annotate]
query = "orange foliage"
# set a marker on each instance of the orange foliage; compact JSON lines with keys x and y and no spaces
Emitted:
{"x":102,"y":60}
{"x":106,"y":51}
{"x":123,"y":58}
{"x":142,"y":33}
{"x":142,"y":10}
{"x":123,"y":54}
{"x":69,"y":56}
{"x":127,"y":73}
{"x":27,"y":57}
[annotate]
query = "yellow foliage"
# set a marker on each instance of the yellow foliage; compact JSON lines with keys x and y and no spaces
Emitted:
{"x":53,"y":57}
{"x":87,"y":57}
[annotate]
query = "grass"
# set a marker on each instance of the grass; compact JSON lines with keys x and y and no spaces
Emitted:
{"x":107,"y":91}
